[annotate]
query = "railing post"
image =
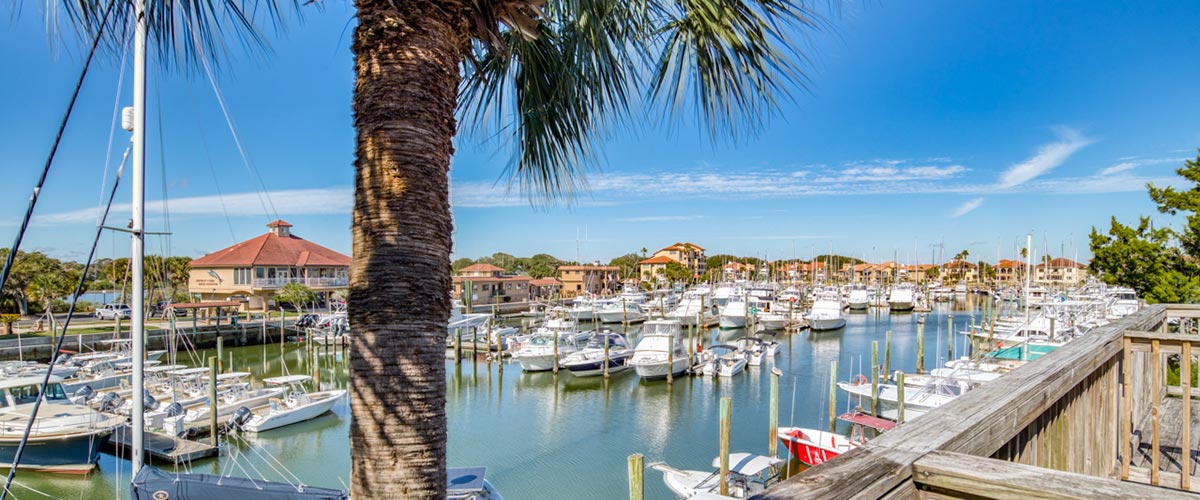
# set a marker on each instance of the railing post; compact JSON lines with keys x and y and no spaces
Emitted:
{"x":1127,"y":409}
{"x":900,"y":397}
{"x":725,"y":424}
{"x":1156,"y":376}
{"x":1185,"y":379}
{"x":773,"y":418}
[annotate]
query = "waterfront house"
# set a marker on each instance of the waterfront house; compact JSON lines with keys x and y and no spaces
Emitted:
{"x":487,"y":284}
{"x":654,"y":268}
{"x":255,"y":269}
{"x":545,"y":288}
{"x":690,"y":255}
{"x":915,"y":273}
{"x":959,"y":270}
{"x":1060,"y":272}
{"x":737,"y":270}
{"x":1010,"y":272}
{"x":803,"y":271}
{"x":594,"y":279}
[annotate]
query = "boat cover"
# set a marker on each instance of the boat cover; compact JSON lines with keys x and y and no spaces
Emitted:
{"x":155,"y":484}
{"x":747,"y":464}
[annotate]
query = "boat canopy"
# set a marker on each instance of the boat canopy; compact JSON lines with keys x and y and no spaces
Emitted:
{"x":463,"y":480}
{"x":188,"y":372}
{"x":747,"y":464}
{"x":164,"y":368}
{"x":286,"y":379}
{"x":24,"y":381}
{"x":232,"y":375}
{"x":868,"y":421}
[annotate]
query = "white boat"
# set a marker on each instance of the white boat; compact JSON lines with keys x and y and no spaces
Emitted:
{"x":826,"y":313}
{"x":734,"y":314}
{"x":902,"y":298}
{"x":749,"y":475}
{"x":660,"y":351}
{"x":917,"y":400}
{"x":65,"y":437}
{"x":468,"y":483}
{"x":773,"y":320}
{"x":757,"y":350}
{"x":590,"y":361}
{"x":538,"y":354}
{"x":722,"y":360}
{"x":695,"y":303}
{"x":858,"y":299}
{"x":621,"y":312}
{"x":297,"y":406}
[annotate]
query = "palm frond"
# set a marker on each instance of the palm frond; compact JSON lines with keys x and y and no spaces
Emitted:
{"x":183,"y":34}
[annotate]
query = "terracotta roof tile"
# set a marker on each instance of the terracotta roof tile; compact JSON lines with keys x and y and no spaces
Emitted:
{"x":272,"y":250}
{"x":481,"y":267}
{"x":660,"y":259}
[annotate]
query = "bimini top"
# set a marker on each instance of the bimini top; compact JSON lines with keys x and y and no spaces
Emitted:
{"x":868,"y":421}
{"x":286,"y":379}
{"x":31,"y":380}
{"x":464,"y":479}
{"x":747,"y":464}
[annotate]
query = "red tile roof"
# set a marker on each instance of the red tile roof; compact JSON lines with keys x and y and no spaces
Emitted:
{"x":545,"y":282}
{"x":481,"y":267}
{"x":1005,"y":263}
{"x":659,"y":259}
{"x":487,"y":279}
{"x":589,"y":268}
{"x":278,"y":223}
{"x":1061,"y":262}
{"x":271,"y":250}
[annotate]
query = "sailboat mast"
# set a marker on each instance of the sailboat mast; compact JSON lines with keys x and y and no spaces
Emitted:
{"x":137,"y":330}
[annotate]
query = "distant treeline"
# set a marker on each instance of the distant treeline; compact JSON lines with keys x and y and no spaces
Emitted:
{"x":38,"y":281}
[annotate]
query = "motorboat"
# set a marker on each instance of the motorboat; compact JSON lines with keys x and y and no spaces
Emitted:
{"x":826,"y":313}
{"x":622,"y":312}
{"x":604,"y":348}
{"x":65,"y":437}
{"x":660,"y":351}
{"x":902,"y":298}
{"x":773,"y":320}
{"x":469,"y":483}
{"x":749,"y":475}
{"x":758,"y":350}
{"x":542,"y":350}
{"x":917,"y":400}
{"x":694,"y":305}
{"x":812,"y":447}
{"x":728,"y":364}
{"x":297,"y":406}
{"x":858,"y":299}
{"x":735,"y":313}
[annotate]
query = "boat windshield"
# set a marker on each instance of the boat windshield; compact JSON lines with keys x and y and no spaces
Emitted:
{"x":614,"y":342}
{"x":28,"y":393}
{"x":542,"y":340}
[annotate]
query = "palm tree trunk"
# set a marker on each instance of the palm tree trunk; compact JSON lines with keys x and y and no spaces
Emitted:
{"x":407,"y":55}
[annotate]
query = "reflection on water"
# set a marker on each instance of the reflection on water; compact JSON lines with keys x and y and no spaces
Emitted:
{"x":548,"y":436}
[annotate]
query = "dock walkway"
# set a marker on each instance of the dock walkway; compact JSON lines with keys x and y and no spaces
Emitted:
{"x":160,"y":447}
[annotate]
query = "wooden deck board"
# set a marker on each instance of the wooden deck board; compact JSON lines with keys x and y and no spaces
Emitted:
{"x":1171,"y":448}
{"x":161,"y":447}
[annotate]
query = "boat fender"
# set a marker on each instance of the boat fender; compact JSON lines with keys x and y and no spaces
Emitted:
{"x":861,"y":379}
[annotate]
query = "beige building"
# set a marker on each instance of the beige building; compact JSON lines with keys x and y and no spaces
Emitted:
{"x":959,"y":271}
{"x":593,"y":279}
{"x":487,"y":284}
{"x":690,"y":255}
{"x":1060,"y":272}
{"x":1010,"y":272}
{"x":255,"y":269}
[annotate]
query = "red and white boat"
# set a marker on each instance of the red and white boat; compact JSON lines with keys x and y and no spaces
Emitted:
{"x":813,"y":447}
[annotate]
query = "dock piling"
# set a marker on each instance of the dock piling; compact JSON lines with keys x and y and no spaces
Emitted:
{"x":887,"y":352}
{"x":773,"y":417}
{"x":220,"y":353}
{"x":726,"y":416}
{"x":921,"y":347}
{"x":556,"y":353}
{"x":212,"y":400}
{"x":875,"y":376}
{"x":832,"y":394}
{"x":636,"y":471}
{"x":900,"y":397}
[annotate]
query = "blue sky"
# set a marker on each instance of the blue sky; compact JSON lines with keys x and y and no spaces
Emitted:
{"x":967,"y":124}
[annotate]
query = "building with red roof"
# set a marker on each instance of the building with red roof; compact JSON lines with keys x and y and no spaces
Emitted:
{"x":257,"y":268}
{"x":687,"y":254}
{"x":1060,"y":272}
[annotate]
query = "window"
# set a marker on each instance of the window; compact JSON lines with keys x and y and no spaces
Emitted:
{"x":259,"y":273}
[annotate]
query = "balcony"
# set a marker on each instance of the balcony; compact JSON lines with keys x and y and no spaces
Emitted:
{"x":271,"y":283}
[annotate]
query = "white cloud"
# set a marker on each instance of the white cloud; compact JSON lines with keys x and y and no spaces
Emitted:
{"x":1118,"y":168}
{"x":1131,"y":162}
{"x":1048,"y":157}
{"x":332,"y":200}
{"x":967,"y":207}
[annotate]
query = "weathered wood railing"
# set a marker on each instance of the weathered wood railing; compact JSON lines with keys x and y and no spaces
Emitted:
{"x":1062,"y":426}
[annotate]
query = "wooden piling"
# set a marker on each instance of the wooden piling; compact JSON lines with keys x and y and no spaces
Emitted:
{"x":875,"y":376}
{"x":900,"y":397}
{"x":636,"y":470}
{"x":1185,"y":382}
{"x":726,"y":416}
{"x":832,"y":395}
{"x":949,"y":338}
{"x":887,"y":353}
{"x":671,"y":362}
{"x":458,"y":346}
{"x":556,"y":335}
{"x":220,"y":354}
{"x":921,"y":347}
{"x":606,"y":353}
{"x":773,"y":417}
{"x":212,"y":400}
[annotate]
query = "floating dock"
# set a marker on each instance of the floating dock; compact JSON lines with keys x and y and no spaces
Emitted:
{"x":160,"y":447}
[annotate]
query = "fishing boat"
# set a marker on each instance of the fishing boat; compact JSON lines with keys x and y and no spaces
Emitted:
{"x":694,"y":305}
{"x":542,"y":351}
{"x":297,"y":406}
{"x":936,"y":392}
{"x":660,"y":351}
{"x":469,"y":483}
{"x":902,"y":298}
{"x":65,"y":437}
{"x":603,"y":348}
{"x":734,"y":313}
{"x":749,"y":475}
{"x":812,"y":447}
{"x":621,"y":312}
{"x":773,"y":320}
{"x":731,"y":361}
{"x":858,"y":299}
{"x":826,"y":313}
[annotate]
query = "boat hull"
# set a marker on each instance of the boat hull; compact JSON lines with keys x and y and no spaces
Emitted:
{"x":537,"y":363}
{"x":72,"y":454}
{"x":619,"y":317}
{"x":900,"y":306}
{"x":805,"y":450}
{"x":859,"y":306}
{"x":324,"y":403}
{"x":728,"y":322}
{"x":823,"y":324}
{"x":658,"y":371}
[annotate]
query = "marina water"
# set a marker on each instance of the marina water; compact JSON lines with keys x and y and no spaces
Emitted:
{"x":543,"y":436}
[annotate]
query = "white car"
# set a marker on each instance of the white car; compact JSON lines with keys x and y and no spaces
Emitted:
{"x":114,"y":311}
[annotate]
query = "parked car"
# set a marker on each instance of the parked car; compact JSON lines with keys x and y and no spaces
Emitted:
{"x":114,"y":311}
{"x":159,"y":309}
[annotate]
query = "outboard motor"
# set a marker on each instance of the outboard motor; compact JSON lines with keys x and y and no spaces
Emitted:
{"x":237,"y":420}
{"x":83,"y":394}
{"x":174,"y":410}
{"x":109,"y":403}
{"x":148,"y":401}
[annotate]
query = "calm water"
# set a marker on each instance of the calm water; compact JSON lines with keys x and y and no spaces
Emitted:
{"x":560,"y":437}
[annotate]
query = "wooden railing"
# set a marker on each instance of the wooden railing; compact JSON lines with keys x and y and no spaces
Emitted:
{"x":1066,"y":425}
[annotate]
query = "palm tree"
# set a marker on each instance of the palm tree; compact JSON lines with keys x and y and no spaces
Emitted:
{"x":553,"y":76}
